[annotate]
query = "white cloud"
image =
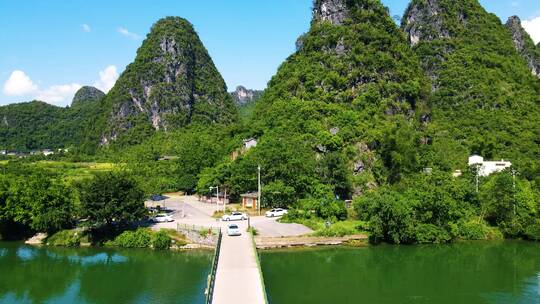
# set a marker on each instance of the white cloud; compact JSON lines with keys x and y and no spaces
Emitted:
{"x":128,"y":34}
{"x":532,"y":26}
{"x":19,"y":84}
{"x":59,"y":94}
{"x":107,"y":78}
{"x":86,"y":28}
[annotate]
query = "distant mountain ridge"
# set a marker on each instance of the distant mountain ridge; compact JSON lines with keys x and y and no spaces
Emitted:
{"x":39,"y":125}
{"x":87,"y":94}
{"x":243,"y":96}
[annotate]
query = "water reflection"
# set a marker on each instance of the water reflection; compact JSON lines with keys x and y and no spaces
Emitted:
{"x":89,"y":275}
{"x":470,"y":273}
{"x":26,"y":253}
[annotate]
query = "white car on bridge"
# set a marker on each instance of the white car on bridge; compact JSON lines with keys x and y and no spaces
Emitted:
{"x":235,"y":216}
{"x":233,"y":230}
{"x":276,"y":212}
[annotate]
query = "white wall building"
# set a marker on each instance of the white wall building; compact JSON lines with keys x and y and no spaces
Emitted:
{"x":47,"y":152}
{"x":487,"y":168}
{"x":250,"y":143}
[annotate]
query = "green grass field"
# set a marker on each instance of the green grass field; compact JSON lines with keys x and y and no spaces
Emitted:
{"x":73,"y":171}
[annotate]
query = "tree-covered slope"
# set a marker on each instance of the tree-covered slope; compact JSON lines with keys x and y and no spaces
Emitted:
{"x":31,"y":125}
{"x":172,"y":83}
{"x":39,"y":125}
{"x":484,"y":98}
{"x":334,"y":108}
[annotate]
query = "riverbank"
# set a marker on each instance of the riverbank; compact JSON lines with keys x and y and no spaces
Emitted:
{"x":162,"y":239}
{"x":263,"y":243}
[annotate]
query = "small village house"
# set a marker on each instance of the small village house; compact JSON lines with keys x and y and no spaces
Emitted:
{"x":486,"y":168}
{"x":250,"y":200}
{"x":47,"y":152}
{"x":249,"y":143}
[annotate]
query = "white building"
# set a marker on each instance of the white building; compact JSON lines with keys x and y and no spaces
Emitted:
{"x":250,"y":143}
{"x":486,"y":168}
{"x":47,"y":152}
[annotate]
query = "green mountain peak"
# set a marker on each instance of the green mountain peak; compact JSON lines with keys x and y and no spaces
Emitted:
{"x":172,"y":83}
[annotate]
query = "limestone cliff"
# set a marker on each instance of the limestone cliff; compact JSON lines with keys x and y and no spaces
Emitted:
{"x":172,"y":83}
{"x":524,"y":44}
{"x":244,"y":96}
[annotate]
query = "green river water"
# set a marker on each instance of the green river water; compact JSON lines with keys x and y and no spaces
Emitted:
{"x":59,"y":275}
{"x":468,"y":273}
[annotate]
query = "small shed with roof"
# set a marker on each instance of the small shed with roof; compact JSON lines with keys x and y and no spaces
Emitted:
{"x":250,"y":200}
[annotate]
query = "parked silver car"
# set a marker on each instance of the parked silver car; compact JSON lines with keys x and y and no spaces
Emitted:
{"x":233,"y":230}
{"x":276,"y":212}
{"x":235,"y":216}
{"x":162,"y":218}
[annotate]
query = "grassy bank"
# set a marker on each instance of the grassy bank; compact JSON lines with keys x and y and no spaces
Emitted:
{"x":139,"y":238}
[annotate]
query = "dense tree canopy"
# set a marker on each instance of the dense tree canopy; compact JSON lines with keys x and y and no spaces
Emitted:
{"x":112,"y":198}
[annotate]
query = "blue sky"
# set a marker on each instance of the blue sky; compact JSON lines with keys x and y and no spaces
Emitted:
{"x":50,"y":48}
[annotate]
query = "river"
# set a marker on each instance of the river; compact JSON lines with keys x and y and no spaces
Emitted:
{"x":91,"y":275}
{"x":469,"y":273}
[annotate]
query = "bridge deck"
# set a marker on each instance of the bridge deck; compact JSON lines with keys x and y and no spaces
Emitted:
{"x":238,"y":278}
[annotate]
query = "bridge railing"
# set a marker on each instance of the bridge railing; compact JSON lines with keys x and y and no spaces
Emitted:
{"x":214,"y":230}
{"x":209,"y":292}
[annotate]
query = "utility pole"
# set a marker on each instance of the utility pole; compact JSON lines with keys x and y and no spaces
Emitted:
{"x":477,"y":176}
{"x":514,"y":172}
{"x":259,"y":189}
{"x":224,"y":199}
{"x":217,"y":196}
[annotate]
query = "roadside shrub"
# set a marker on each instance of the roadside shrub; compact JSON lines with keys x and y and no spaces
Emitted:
{"x":204,"y":233}
{"x":331,"y":210}
{"x":471,"y":230}
{"x":253,"y":231}
{"x":427,"y":233}
{"x":140,"y":238}
{"x":161,"y":240}
{"x":532,"y":232}
{"x":66,"y":238}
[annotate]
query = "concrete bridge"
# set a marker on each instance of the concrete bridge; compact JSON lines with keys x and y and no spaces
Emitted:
{"x":238,"y":276}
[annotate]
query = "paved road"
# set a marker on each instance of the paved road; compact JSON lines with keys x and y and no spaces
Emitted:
{"x":238,"y":279}
{"x":188,"y":210}
{"x":269,"y":227}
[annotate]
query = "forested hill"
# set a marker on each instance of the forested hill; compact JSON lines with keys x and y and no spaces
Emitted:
{"x":328,"y":120}
{"x":484,"y":97}
{"x":172,"y":83}
{"x":39,"y":125}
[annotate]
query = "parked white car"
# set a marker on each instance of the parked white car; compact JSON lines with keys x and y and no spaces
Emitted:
{"x":233,"y":230}
{"x":235,"y":216}
{"x":276,"y":212}
{"x":162,"y":218}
